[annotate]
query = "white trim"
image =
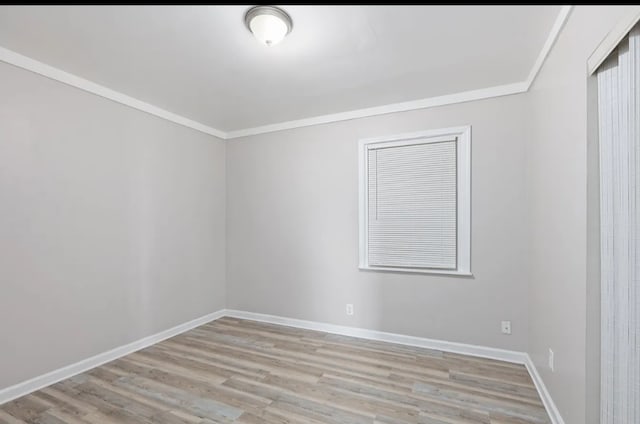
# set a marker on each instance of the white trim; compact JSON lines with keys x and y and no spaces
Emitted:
{"x":449,"y":99}
{"x":56,"y":74}
{"x":464,"y":200}
{"x":452,"y":347}
{"x":548,"y":402}
{"x":60,"y":374}
{"x":611,"y":40}
{"x":511,"y":356}
{"x":363,"y":333}
{"x":363,"y":219}
{"x":411,"y":139}
{"x":561,"y":19}
{"x":463,"y":136}
{"x":48,"y":71}
{"x":417,"y":271}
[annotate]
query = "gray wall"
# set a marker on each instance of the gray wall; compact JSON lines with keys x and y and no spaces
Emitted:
{"x":112,"y":225}
{"x":292,"y":208}
{"x":557,"y":186}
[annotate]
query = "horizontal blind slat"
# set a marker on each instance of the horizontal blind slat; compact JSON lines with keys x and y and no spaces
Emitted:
{"x":413,"y":206}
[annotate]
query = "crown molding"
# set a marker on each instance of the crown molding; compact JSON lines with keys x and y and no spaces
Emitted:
{"x":449,"y":99}
{"x":561,"y":19}
{"x":24,"y":62}
{"x":612,"y":39}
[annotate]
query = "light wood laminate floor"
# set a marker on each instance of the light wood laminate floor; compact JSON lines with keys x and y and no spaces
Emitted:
{"x":241,"y":371}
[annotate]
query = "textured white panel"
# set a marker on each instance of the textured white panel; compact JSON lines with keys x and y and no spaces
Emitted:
{"x":619,"y":116}
{"x":412,"y":205}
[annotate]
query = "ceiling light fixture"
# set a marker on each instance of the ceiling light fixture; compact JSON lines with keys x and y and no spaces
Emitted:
{"x":269,"y":24}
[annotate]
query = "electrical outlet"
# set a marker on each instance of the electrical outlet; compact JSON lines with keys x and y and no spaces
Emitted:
{"x":506,"y":327}
{"x":349,"y":308}
{"x":551,"y":359}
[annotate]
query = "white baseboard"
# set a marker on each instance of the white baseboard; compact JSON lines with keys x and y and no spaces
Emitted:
{"x":512,"y":356}
{"x":464,"y":349}
{"x":548,"y":402}
{"x":37,"y":383}
{"x":461,"y":348}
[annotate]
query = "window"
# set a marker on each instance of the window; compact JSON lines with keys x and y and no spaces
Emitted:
{"x":415,"y":202}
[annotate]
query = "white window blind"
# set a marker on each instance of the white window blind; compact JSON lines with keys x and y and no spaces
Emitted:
{"x":415,"y":202}
{"x":412,"y":205}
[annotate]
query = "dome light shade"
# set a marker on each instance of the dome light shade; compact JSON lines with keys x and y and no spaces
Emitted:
{"x":268,"y":24}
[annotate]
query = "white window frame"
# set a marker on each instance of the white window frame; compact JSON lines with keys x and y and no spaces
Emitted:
{"x":463,"y":137}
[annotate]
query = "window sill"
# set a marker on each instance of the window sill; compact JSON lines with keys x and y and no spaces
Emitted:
{"x":418,"y":271}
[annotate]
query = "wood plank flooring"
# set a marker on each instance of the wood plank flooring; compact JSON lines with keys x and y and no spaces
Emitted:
{"x":241,"y":371}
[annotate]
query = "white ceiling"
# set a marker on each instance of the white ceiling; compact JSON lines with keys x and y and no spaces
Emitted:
{"x":201,"y":62}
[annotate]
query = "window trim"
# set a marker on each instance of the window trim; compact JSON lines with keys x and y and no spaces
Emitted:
{"x":463,"y":241}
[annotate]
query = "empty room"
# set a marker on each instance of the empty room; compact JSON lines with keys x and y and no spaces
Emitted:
{"x":324,"y":214}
